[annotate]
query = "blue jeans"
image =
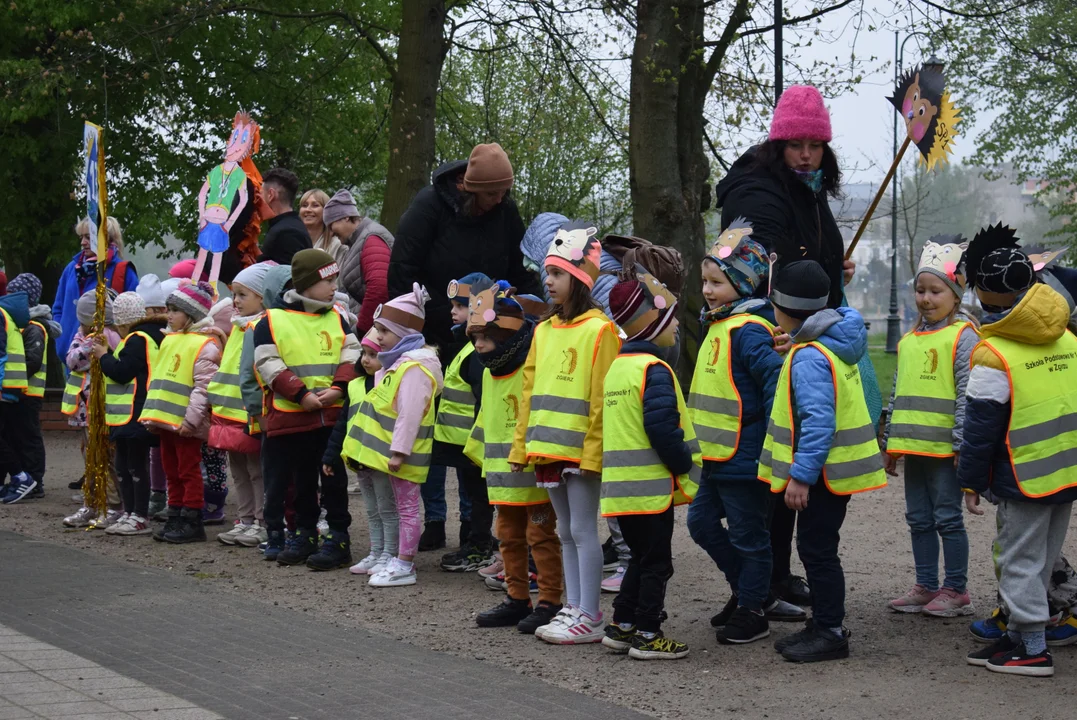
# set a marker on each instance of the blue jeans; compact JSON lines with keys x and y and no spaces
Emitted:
{"x":432,"y":491}
{"x":741,"y":552}
{"x":934,"y":509}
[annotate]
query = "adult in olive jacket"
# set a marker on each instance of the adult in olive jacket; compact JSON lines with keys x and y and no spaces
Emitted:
{"x":463,"y":222}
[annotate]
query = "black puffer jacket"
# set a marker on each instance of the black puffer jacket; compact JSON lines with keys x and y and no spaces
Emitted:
{"x":787,"y":217}
{"x":130,"y":364}
{"x":436,"y":244}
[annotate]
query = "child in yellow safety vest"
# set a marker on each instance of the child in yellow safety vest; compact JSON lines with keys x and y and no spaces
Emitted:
{"x":1018,"y":445}
{"x":232,"y":429}
{"x":77,"y":396}
{"x":651,"y":462}
{"x":383,"y":522}
{"x":126,"y":373}
{"x":461,"y":402}
{"x":820,"y":446}
{"x":730,"y":400}
{"x":525,"y":518}
{"x":925,"y":423}
{"x":154,"y":294}
{"x":177,"y":405}
{"x":14,"y":319}
{"x":560,"y":427}
{"x":395,"y":425}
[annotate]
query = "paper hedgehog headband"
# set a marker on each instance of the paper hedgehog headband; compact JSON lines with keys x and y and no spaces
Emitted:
{"x":997,"y":266}
{"x":652,"y":306}
{"x":941,"y":257}
{"x":744,"y":261}
{"x":497,"y":304}
{"x":577,"y":251}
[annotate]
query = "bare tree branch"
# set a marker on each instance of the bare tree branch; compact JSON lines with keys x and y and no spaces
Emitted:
{"x":793,"y":21}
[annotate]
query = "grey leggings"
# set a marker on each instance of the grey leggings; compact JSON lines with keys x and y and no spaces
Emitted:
{"x":381,"y":515}
{"x":576,"y":504}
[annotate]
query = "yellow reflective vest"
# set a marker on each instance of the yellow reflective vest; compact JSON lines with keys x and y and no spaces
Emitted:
{"x":15,"y":365}
{"x":377,"y":418}
{"x":225,"y":398}
{"x":172,"y":379}
{"x":357,"y":392}
{"x":926,"y":394}
{"x":76,"y":383}
{"x":35,"y":384}
{"x":1042,"y":435}
{"x":120,"y":397}
{"x":491,"y":442}
{"x":635,"y":481}
{"x":853,"y":464}
{"x":310,"y":345}
{"x":456,"y":414}
{"x":713,"y":400}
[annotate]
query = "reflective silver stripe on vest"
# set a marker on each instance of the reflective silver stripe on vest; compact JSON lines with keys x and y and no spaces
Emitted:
{"x":854,"y":436}
{"x":926,"y":433}
{"x":916,"y":403}
{"x":383,"y":449}
{"x":851,"y":468}
{"x":695,"y":473}
{"x":353,"y":407}
{"x":15,"y":375}
{"x":314,"y":370}
{"x":1042,"y":431}
{"x":561,"y":405}
{"x":778,"y":468}
{"x":170,"y":386}
{"x":479,"y":435}
{"x":637,"y":488}
{"x":457,"y":396}
{"x":716,"y":405}
{"x":629,"y":458}
{"x":716,"y":436}
{"x":227,"y":401}
{"x":498,"y":451}
{"x":1064,"y":459}
{"x":388,"y":423}
{"x":165,"y":406}
{"x":782,"y":436}
{"x":226,"y":378}
{"x":117,"y":409}
{"x":555,"y":436}
{"x":510,"y":480}
{"x":456,"y":421}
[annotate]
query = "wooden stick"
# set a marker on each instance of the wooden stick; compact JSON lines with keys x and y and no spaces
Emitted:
{"x":878,"y":197}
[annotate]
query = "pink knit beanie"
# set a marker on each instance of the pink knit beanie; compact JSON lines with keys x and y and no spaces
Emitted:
{"x":404,"y":315}
{"x":800,"y":115}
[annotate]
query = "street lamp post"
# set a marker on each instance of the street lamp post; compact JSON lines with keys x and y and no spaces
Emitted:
{"x":893,"y":321}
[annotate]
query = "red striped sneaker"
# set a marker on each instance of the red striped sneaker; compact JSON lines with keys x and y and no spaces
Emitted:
{"x":1019,"y":662}
{"x":576,"y":629}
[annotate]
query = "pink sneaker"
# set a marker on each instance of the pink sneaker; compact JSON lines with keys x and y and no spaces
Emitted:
{"x":949,"y":603}
{"x":914,"y":600}
{"x":612,"y":584}
{"x":492,"y":569}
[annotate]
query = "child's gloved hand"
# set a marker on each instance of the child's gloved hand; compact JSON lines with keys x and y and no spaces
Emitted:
{"x":890,"y":464}
{"x":972,"y":503}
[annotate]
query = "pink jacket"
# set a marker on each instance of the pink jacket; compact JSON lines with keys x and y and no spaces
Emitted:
{"x":414,"y":396}
{"x":78,"y":355}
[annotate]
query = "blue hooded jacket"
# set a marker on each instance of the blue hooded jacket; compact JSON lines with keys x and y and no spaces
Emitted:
{"x":18,"y":307}
{"x":70,"y":290}
{"x":842,"y":332}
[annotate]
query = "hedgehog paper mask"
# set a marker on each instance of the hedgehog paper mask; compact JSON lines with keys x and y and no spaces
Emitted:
{"x":942,"y":257}
{"x":577,"y":251}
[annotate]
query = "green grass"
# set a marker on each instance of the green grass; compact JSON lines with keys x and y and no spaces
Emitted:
{"x":885,"y":364}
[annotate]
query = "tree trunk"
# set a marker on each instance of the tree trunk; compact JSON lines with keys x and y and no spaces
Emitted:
{"x":667,"y":165}
{"x":420,"y":55}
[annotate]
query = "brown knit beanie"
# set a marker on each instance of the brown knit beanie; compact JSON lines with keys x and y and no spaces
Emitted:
{"x":488,"y":169}
{"x":311,"y":265}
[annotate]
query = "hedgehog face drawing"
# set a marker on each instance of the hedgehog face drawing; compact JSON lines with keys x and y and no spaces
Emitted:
{"x":716,"y":348}
{"x":657,"y":300}
{"x":917,"y":111}
{"x":727,"y":242}
{"x":325,"y":340}
{"x":577,"y":244}
{"x":174,"y":368}
{"x":931,"y":361}
{"x":512,"y":407}
{"x":943,"y":253}
{"x":568,"y":362}
{"x":929,"y":116}
{"x":482,"y":307}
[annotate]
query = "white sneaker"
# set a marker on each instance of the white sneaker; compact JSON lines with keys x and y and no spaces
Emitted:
{"x":564,"y":615}
{"x":120,"y":521}
{"x":578,"y":630}
{"x":395,"y":574}
{"x":230,"y":537}
{"x":83,"y":517}
{"x":131,"y":525}
{"x":363,"y":566}
{"x":612,"y":584}
{"x":383,"y":562}
{"x":254,"y":535}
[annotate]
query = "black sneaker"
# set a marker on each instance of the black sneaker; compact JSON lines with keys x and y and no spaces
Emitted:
{"x":778,"y":610}
{"x":722,"y":618}
{"x":275,"y":544}
{"x":300,"y":547}
{"x":77,"y":484}
{"x":542,"y":615}
{"x":1019,"y":662}
{"x":37,"y":493}
{"x":335,"y":552}
{"x":618,"y":640}
{"x":793,"y":589}
{"x":821,"y":645}
{"x":744,"y":627}
{"x":980,"y":657}
{"x":507,"y":613}
{"x":799,"y":636}
{"x":190,"y":528}
{"x":657,"y":648}
{"x":610,"y":560}
{"x":171,"y":524}
{"x":467,"y":559}
{"x":433,"y":537}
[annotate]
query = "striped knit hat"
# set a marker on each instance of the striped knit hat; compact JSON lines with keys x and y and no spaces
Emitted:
{"x":194,"y":300}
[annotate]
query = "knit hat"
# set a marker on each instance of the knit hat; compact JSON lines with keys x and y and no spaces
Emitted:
{"x":339,"y":207}
{"x":128,"y":308}
{"x":459,"y":291}
{"x":194,"y":300}
{"x":311,"y":265}
{"x":29,"y":284}
{"x":152,"y":291}
{"x":577,"y":251}
{"x":941,"y":257}
{"x":184,"y":269}
{"x":168,"y":286}
{"x":995,"y":263}
{"x":743,"y":260}
{"x":86,"y":306}
{"x":642,"y":306}
{"x":253,"y":277}
{"x":800,"y":289}
{"x":800,"y":114}
{"x":488,"y":168}
{"x":403,"y":315}
{"x":370,"y":340}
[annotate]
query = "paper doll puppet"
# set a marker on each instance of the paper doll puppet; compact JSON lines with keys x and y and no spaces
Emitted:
{"x":930,"y":118}
{"x":226,"y":203}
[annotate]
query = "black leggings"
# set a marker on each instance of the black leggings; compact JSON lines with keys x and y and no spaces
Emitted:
{"x":133,"y":467}
{"x":482,"y":512}
{"x":782,"y":526}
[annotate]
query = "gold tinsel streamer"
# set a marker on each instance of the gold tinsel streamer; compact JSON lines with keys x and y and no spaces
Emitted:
{"x":99,"y":450}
